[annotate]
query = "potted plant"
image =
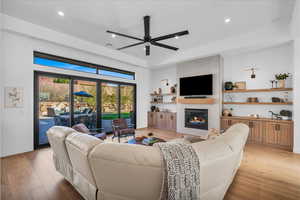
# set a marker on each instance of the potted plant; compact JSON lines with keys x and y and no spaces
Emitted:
{"x":281,"y":79}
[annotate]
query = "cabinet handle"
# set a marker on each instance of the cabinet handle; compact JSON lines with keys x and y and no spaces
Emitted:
{"x":151,"y":115}
{"x":172,"y":117}
{"x":161,"y":116}
{"x":251,"y":125}
{"x":229,"y":122}
{"x":277,"y":127}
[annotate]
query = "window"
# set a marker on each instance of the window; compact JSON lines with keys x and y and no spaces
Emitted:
{"x":70,"y":64}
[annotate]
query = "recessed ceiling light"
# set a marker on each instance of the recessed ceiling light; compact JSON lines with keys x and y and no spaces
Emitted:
{"x":61,"y":13}
{"x":113,"y":35}
{"x":227,"y":20}
{"x":176,"y":37}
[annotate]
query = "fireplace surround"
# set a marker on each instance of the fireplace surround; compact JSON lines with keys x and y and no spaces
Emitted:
{"x":196,"y":118}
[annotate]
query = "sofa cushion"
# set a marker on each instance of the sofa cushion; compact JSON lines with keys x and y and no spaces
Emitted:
{"x":79,"y":146}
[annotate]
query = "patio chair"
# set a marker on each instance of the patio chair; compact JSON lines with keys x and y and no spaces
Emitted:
{"x":97,"y":132}
{"x":121,"y":128}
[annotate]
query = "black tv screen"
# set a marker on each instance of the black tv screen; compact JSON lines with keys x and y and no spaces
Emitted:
{"x":196,"y":85}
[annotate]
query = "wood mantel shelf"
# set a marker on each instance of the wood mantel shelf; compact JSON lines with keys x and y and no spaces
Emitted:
{"x":196,"y":101}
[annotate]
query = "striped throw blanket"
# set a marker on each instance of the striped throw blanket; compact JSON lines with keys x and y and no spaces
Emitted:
{"x":181,"y":172}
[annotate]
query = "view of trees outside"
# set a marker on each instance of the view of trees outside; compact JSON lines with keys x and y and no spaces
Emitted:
{"x":54,"y":93}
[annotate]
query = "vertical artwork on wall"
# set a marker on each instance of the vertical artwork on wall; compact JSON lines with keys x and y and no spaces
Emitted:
{"x":14,"y":97}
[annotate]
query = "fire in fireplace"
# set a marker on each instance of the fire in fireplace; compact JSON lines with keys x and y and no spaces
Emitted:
{"x":196,"y":118}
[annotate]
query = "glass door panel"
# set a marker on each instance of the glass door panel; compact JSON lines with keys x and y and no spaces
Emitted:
{"x":109,"y":104}
{"x":127,"y":107}
{"x":85,"y":107}
{"x":53,"y":105}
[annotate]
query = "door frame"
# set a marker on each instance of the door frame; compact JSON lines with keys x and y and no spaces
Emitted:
{"x":71,"y":100}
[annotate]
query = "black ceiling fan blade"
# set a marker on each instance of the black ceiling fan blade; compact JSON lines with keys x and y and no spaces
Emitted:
{"x":124,"y":35}
{"x":147,"y":50}
{"x":132,"y":45}
{"x":147,"y":26}
{"x":181,"y":33}
{"x":164,"y":46}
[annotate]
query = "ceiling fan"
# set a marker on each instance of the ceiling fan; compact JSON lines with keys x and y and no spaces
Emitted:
{"x":148,"y":40}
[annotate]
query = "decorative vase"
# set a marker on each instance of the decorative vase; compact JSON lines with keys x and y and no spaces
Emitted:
{"x":281,"y":83}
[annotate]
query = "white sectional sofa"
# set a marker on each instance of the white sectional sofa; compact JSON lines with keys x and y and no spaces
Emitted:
{"x":109,"y":171}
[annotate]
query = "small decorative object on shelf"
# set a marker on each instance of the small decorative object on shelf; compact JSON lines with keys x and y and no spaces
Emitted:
{"x":173,"y":89}
{"x":228,"y":85}
{"x":272,"y":82}
{"x":286,"y":114}
{"x":227,"y":112}
{"x":281,"y":79}
{"x":173,"y":99}
{"x":276,"y":100}
{"x":153,"y":108}
{"x":254,"y":116}
{"x":157,"y":109}
{"x":240,"y":85}
{"x":159,"y":90}
{"x":252,"y":100}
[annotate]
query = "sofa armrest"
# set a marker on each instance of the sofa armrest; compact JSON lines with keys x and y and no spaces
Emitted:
{"x":127,"y":171}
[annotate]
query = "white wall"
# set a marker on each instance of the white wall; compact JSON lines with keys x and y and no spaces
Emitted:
{"x":269,"y":62}
{"x":19,"y":67}
{"x":297,"y":95}
{"x":295,"y":29}
{"x":209,"y":65}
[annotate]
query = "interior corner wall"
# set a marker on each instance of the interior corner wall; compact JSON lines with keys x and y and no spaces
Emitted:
{"x":297,"y":95}
{"x":19,"y":72}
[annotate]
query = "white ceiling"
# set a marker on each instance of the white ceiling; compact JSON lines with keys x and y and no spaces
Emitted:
{"x":89,"y":19}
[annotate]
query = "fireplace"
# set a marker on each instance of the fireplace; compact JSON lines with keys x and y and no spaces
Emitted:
{"x":196,"y":118}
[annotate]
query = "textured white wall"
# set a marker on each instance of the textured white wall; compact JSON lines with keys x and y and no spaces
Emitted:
{"x":269,"y":62}
{"x":19,"y":67}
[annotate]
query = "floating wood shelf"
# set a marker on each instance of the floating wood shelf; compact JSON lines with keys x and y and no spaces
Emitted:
{"x":196,"y":101}
{"x":258,"y":90}
{"x":163,"y":102}
{"x":260,"y":103}
{"x":164,"y":94}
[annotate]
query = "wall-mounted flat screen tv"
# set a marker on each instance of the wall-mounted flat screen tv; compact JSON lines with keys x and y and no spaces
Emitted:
{"x":196,"y":85}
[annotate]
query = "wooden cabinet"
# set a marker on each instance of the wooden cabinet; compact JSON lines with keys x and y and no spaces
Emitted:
{"x":265,"y":131}
{"x":162,"y":120}
{"x":255,"y":132}
{"x":279,"y":134}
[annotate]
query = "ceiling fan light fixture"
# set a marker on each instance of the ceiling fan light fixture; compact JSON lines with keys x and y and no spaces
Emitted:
{"x":61,"y":13}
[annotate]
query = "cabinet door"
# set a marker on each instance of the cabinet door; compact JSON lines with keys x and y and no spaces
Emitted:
{"x":255,"y":132}
{"x":161,"y":120}
{"x":285,"y":135}
{"x":271,"y":133}
{"x":171,"y":121}
{"x":150,"y":119}
{"x":174,"y":122}
{"x":224,"y":124}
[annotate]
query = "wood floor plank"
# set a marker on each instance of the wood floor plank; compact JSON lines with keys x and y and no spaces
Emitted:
{"x":265,"y":174}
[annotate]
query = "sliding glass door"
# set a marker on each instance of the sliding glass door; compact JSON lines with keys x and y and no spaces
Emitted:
{"x":53,"y":105}
{"x":85,"y":103}
{"x":62,"y":100}
{"x":109,"y":104}
{"x":127,"y":101}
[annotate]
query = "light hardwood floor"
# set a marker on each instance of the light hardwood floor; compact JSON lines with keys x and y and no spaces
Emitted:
{"x":265,"y":174}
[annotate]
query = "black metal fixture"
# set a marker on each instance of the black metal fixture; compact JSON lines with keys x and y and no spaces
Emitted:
{"x":252,"y":69}
{"x":148,"y":40}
